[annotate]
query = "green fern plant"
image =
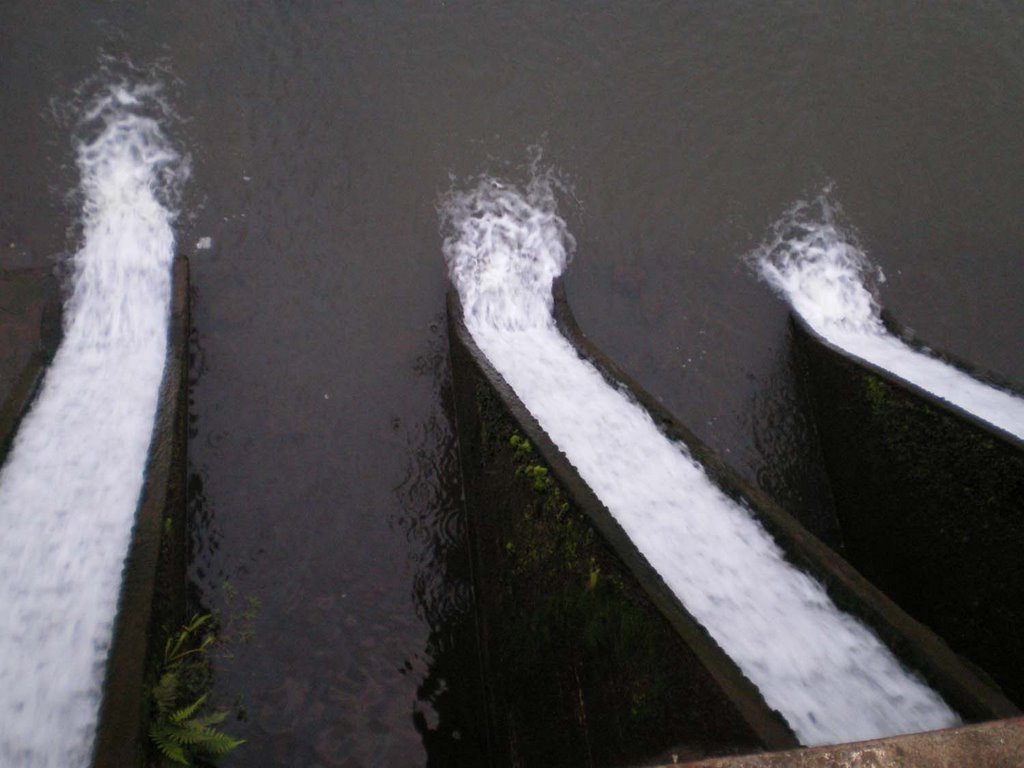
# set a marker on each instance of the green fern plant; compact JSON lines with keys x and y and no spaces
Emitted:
{"x":179,"y":728}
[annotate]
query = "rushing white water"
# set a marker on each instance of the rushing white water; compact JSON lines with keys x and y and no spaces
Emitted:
{"x":70,"y":486}
{"x":827,"y":674}
{"x":825,"y":277}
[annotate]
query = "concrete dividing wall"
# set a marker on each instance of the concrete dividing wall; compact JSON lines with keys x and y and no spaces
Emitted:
{"x":152,"y":591}
{"x":931,"y":504}
{"x":589,"y":659}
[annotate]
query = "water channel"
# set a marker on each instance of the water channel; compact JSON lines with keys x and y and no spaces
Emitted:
{"x":323,"y":138}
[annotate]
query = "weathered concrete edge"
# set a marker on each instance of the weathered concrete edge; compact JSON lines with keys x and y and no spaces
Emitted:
{"x":913,"y":642}
{"x":121,"y":738}
{"x":989,"y":430}
{"x":998,"y":744}
{"x":765,"y":722}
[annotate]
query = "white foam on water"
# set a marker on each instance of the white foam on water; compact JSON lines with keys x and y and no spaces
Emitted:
{"x":828,"y":675}
{"x":826,"y":277}
{"x":71,"y":483}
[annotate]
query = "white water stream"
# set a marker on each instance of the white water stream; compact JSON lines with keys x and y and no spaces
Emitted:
{"x":825,"y":277}
{"x":828,"y":675}
{"x":71,"y":483}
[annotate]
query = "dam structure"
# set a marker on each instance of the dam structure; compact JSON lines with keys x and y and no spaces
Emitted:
{"x":923,"y":452}
{"x":829,"y":676}
{"x":71,"y":483}
{"x":825,"y":277}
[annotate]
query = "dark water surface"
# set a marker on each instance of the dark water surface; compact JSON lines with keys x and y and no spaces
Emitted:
{"x":324,"y":477}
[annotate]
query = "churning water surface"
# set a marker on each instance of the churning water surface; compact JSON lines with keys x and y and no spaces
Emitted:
{"x":70,"y":486}
{"x":825,"y":276}
{"x":828,"y":675}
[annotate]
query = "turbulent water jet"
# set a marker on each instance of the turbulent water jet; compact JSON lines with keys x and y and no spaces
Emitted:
{"x":828,"y":675}
{"x":826,"y":277}
{"x":70,"y":486}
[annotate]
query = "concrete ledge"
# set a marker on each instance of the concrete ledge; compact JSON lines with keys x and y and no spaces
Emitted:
{"x":152,"y":589}
{"x":988,"y":745}
{"x":930,"y":500}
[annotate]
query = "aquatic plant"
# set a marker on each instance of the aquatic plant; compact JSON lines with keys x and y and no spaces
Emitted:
{"x":179,"y":728}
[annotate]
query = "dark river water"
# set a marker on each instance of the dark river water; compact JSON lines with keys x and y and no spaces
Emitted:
{"x":324,"y":476}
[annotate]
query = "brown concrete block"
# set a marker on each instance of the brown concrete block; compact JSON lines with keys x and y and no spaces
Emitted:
{"x":997,"y":744}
